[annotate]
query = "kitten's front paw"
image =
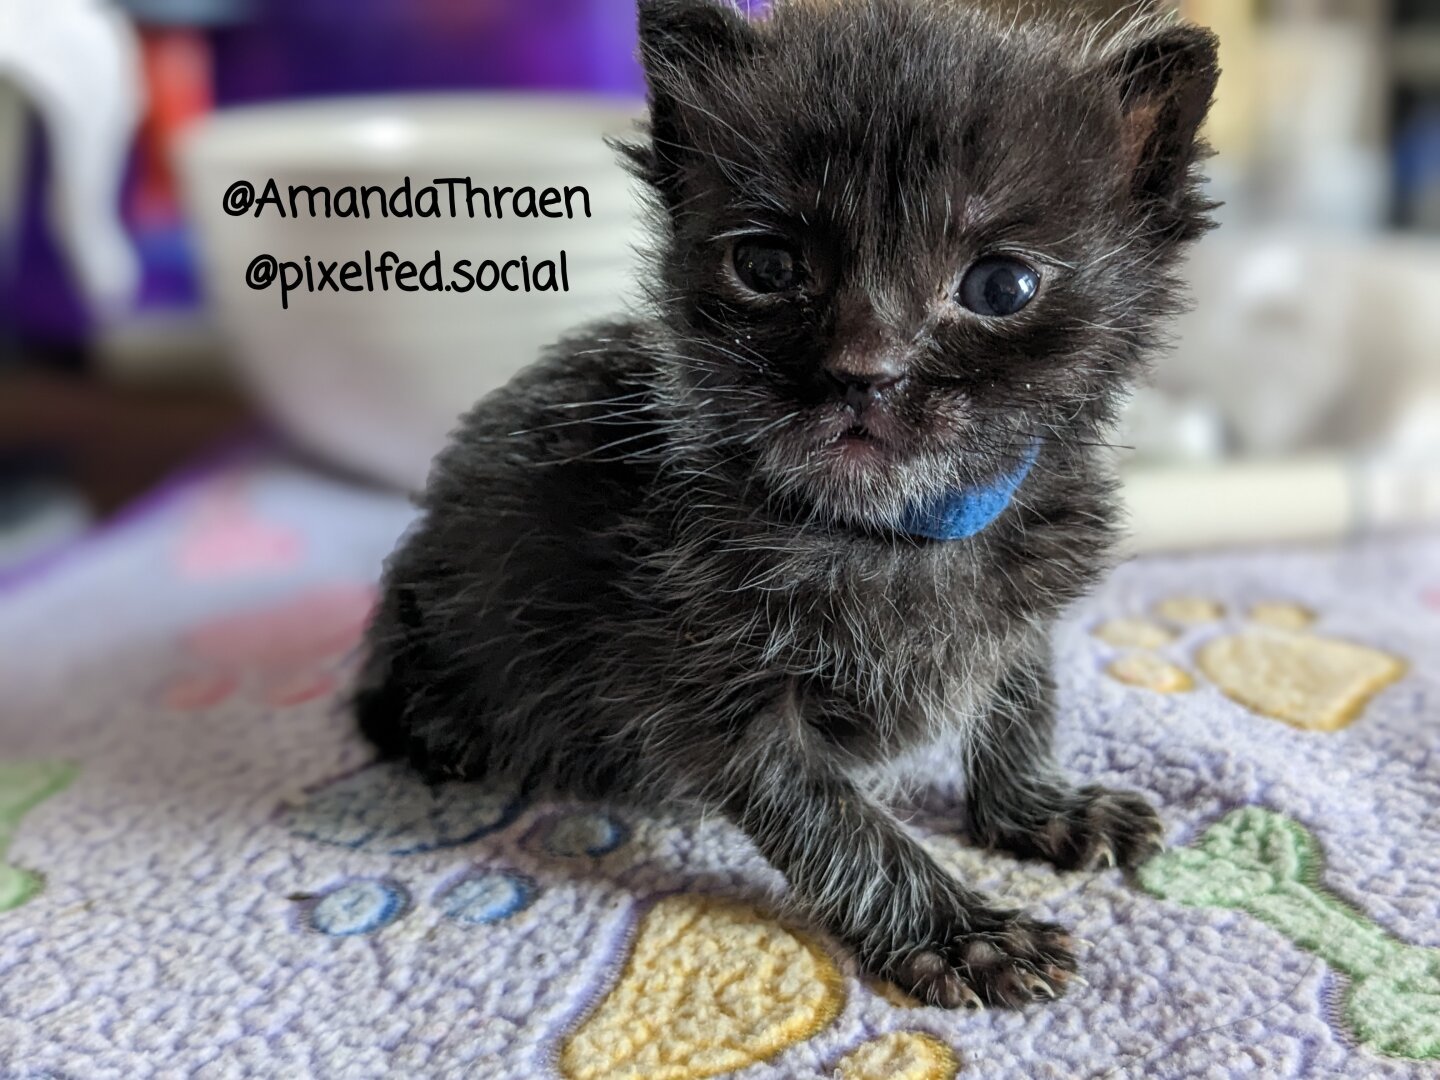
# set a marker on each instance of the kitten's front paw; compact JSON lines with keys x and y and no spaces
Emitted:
{"x":1094,"y":828}
{"x":1015,"y":961}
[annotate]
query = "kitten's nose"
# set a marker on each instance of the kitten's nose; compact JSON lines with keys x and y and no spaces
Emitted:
{"x":862,"y":381}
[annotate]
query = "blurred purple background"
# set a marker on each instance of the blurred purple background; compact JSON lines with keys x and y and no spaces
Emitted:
{"x":314,"y":47}
{"x":245,"y":51}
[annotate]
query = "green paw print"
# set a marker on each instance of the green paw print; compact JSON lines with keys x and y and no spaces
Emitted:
{"x":1258,"y":861}
{"x":24,"y":785}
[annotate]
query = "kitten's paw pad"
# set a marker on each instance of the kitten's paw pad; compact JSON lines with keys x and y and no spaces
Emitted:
{"x":1014,"y":964}
{"x":1106,"y":829}
{"x":1099,"y":829}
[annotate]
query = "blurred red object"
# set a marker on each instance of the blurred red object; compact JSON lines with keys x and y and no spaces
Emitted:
{"x":179,"y":73}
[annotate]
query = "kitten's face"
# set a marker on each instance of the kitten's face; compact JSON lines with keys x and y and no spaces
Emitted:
{"x":906,"y":241}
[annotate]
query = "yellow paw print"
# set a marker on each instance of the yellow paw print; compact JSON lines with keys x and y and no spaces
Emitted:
{"x":1275,"y":666}
{"x":710,"y":987}
{"x":900,"y":1055}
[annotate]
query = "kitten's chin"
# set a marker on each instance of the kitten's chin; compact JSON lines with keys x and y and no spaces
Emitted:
{"x":844,"y":473}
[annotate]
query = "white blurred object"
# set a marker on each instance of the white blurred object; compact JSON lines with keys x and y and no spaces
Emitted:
{"x":1298,"y":342}
{"x":77,"y":62}
{"x":1173,"y":427}
{"x":1320,"y":498}
{"x":1265,"y":341}
{"x":375,"y":380}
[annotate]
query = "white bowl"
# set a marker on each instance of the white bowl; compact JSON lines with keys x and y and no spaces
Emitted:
{"x":375,"y":380}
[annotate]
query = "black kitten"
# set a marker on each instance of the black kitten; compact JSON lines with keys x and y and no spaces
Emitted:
{"x":752,"y":550}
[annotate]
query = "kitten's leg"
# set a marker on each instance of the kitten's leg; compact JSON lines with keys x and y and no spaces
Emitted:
{"x":856,"y":871}
{"x":1019,"y":801}
{"x":380,"y":701}
{"x":390,"y":697}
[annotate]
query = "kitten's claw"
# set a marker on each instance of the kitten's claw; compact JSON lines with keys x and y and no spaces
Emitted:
{"x":1092,"y":828}
{"x":1039,"y":986}
{"x":1011,"y":963}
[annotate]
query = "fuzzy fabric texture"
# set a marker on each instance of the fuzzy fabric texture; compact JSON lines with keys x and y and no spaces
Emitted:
{"x":202,"y":873}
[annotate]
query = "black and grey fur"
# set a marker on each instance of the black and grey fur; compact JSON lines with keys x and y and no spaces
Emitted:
{"x":662,"y":563}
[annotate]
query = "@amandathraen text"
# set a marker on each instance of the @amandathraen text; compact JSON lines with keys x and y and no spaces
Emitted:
{"x":444,"y":196}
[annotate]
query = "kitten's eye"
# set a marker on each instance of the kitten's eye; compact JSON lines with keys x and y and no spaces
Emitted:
{"x":768,"y":266}
{"x":998,"y":286}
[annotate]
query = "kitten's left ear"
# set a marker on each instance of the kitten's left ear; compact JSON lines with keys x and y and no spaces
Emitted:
{"x":1166,"y":81}
{"x":679,"y":34}
{"x":685,"y":47}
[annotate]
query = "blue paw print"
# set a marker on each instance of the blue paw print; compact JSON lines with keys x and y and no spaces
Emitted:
{"x":487,"y":897}
{"x":579,"y":834}
{"x":358,"y":907}
{"x":365,"y":905}
{"x":387,"y":809}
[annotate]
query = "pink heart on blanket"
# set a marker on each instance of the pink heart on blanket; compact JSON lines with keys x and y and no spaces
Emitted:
{"x":225,"y":539}
{"x":200,"y":690}
{"x":288,"y":653}
{"x":316,"y":625}
{"x":300,"y":687}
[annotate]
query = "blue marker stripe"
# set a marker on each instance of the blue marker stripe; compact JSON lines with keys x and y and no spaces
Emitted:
{"x":964,"y":512}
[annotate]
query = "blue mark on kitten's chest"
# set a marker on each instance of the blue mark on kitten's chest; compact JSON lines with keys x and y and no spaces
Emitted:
{"x":966,"y":511}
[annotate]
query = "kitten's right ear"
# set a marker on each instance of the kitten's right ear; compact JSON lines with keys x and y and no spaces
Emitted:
{"x":686,"y":46}
{"x":1165,"y":80}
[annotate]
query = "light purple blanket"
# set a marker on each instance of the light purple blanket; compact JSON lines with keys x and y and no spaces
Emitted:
{"x":202,"y":874}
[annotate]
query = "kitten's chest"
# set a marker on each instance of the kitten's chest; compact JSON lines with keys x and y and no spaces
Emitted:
{"x":934,"y":675}
{"x":904,"y":664}
{"x":890,"y":645}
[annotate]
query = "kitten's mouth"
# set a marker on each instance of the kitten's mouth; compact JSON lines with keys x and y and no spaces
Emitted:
{"x":856,"y":443}
{"x":841,"y":439}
